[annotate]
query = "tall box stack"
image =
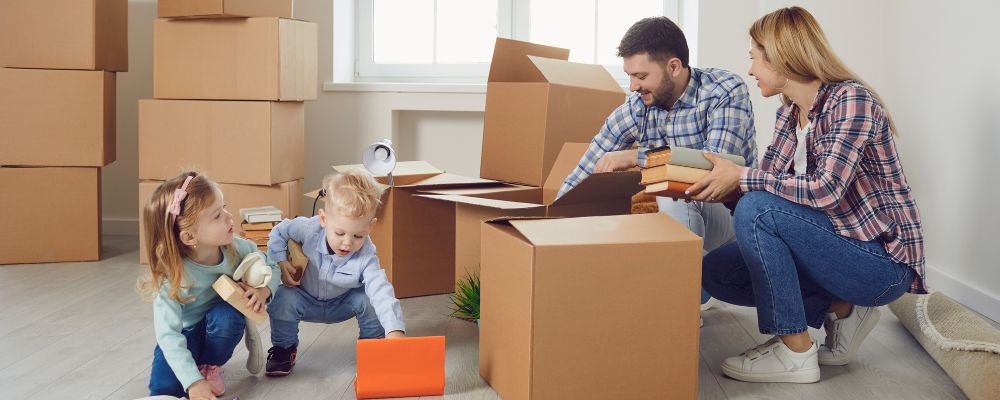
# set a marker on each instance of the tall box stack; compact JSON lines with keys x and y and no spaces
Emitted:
{"x":229,"y":81}
{"x":58,"y":60}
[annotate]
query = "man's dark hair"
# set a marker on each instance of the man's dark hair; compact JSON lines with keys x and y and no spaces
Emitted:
{"x":658,"y":36}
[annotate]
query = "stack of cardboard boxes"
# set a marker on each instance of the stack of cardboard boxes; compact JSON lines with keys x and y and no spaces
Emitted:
{"x":229,"y":81}
{"x":58,"y":60}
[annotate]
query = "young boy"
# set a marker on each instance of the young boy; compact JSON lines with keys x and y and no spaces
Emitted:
{"x":343,"y":278}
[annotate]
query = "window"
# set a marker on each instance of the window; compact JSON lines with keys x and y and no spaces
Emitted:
{"x":452,"y":40}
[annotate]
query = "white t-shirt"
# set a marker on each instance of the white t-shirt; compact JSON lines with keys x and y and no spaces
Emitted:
{"x":799,"y":162}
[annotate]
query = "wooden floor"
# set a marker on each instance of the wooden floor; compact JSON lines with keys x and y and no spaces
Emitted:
{"x":79,"y":331}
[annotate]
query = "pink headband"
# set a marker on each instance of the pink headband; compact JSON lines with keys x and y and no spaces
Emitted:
{"x":175,"y":206}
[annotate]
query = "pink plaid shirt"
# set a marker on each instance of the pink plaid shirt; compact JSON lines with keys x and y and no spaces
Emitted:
{"x":853,"y":174}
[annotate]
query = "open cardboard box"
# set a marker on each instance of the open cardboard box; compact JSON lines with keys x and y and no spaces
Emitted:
{"x":223,"y":8}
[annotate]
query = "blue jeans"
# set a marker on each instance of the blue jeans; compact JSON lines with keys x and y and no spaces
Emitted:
{"x":291,"y":305}
{"x":789,"y":262}
{"x":210,"y":341}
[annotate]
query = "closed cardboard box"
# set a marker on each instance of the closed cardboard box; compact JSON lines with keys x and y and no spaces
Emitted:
{"x":57,"y":117}
{"x":223,"y":8}
{"x":64,"y":34}
{"x":235,"y":59}
{"x":535,"y":102}
{"x":246,"y":142}
{"x":590,"y":308}
{"x":50,"y":214}
{"x":285,"y":196}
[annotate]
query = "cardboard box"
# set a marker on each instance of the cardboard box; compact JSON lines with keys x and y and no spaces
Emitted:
{"x":600,"y":194}
{"x":235,"y":59}
{"x":286,"y":196}
{"x":50,"y":214}
{"x":590,"y":308}
{"x":57,"y":117}
{"x":64,"y":34}
{"x":247,"y":142}
{"x":401,"y":367}
{"x":414,"y":235}
{"x":223,"y":8}
{"x":535,"y":102}
{"x":232,"y":293}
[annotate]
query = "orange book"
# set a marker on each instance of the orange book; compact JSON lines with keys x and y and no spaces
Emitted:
{"x":256,"y":234}
{"x":405,"y":367}
{"x":668,"y":189}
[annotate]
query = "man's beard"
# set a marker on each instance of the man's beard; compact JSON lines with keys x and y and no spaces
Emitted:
{"x":662,"y":95}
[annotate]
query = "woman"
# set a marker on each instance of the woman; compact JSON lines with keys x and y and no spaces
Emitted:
{"x":826,"y":228}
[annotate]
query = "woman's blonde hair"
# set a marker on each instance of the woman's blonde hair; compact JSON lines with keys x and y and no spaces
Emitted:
{"x":161,"y":231}
{"x":792,"y":41}
{"x":353,"y":193}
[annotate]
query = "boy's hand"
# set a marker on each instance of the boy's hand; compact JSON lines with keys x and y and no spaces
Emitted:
{"x":201,"y":390}
{"x":288,"y":273}
{"x":395,"y":335}
{"x":256,"y":297}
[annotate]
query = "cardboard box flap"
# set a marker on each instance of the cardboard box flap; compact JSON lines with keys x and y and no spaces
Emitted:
{"x":511,"y":64}
{"x":405,"y":173}
{"x":567,"y":160}
{"x":478,"y":190}
{"x":590,"y":76}
{"x":445,"y":179}
{"x":476,"y":201}
{"x":603,"y":186}
{"x":618,"y":229}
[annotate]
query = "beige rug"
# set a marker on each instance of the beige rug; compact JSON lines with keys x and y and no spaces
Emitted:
{"x":965,"y":345}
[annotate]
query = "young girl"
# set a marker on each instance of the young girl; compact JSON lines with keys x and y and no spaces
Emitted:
{"x":190,"y":244}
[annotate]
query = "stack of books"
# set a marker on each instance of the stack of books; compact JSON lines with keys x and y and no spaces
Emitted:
{"x":258,"y":222}
{"x":670,"y":171}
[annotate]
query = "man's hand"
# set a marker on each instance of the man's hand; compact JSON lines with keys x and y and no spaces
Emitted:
{"x":720,"y":184}
{"x":201,"y":390}
{"x":288,"y":274}
{"x":256,"y":297}
{"x":395,"y":335}
{"x":617,"y":161}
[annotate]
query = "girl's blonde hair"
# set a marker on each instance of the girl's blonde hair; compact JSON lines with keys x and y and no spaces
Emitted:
{"x":161,"y":231}
{"x":793,"y":42}
{"x":353,"y":193}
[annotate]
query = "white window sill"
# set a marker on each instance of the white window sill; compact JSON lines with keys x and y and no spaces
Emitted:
{"x":405,"y":87}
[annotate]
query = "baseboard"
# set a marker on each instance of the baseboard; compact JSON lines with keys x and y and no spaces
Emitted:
{"x":972,"y":297}
{"x":120,"y":226}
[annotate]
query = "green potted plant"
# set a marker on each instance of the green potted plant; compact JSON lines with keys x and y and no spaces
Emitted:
{"x":465,"y":300}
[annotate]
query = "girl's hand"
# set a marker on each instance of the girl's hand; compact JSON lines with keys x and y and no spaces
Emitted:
{"x":255,"y":297}
{"x":201,"y":390}
{"x":720,"y":184}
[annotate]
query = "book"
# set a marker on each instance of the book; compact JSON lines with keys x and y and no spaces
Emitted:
{"x":260,"y":214}
{"x":256,"y":234}
{"x":686,"y":157}
{"x":259,"y":241}
{"x":675,"y":173}
{"x":668,"y":189}
{"x":263,"y":226}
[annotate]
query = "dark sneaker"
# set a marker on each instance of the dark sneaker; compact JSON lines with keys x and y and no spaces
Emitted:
{"x":280,"y":361}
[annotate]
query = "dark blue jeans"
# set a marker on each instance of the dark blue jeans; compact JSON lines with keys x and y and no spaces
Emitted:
{"x":210,"y":341}
{"x":789,"y":263}
{"x":291,"y":305}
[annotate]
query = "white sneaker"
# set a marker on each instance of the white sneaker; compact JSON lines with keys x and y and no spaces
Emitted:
{"x":708,"y":304}
{"x":773,"y":362}
{"x":844,"y":336}
{"x":255,"y":358}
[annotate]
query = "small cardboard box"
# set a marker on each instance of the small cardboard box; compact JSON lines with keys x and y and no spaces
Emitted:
{"x":285,"y":196}
{"x":50,"y":214}
{"x":414,"y":235}
{"x":535,"y":102}
{"x":245,"y":142}
{"x":235,"y":59}
{"x":64,"y":34}
{"x":599,"y":194}
{"x":57,"y":117}
{"x":590,"y":308}
{"x":232,"y":293}
{"x":223,"y":8}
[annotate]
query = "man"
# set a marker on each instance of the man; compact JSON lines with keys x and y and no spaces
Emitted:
{"x":673,"y":104}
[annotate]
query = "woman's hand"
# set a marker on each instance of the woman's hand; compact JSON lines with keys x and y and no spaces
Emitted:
{"x":256,"y":297}
{"x":720,"y":184}
{"x":201,"y":390}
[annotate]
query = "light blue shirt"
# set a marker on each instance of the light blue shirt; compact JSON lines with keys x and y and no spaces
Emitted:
{"x":329,"y":275}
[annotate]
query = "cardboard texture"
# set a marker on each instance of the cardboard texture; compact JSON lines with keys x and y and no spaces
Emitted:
{"x":285,"y":196}
{"x":232,"y":293}
{"x":545,"y":306}
{"x":600,"y":194}
{"x":535,"y":102}
{"x":235,"y":59}
{"x":414,"y":235}
{"x":50,"y":214}
{"x":246,"y":142}
{"x":223,"y":8}
{"x":57,"y":117}
{"x":64,"y":34}
{"x":403,"y":367}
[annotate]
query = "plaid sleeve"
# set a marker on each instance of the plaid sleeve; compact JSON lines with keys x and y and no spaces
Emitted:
{"x":618,"y":133}
{"x":730,"y":125}
{"x":854,"y":122}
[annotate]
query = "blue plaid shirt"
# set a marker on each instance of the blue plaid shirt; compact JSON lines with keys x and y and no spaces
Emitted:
{"x":713,"y":114}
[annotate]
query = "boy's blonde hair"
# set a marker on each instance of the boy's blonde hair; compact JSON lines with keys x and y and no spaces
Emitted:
{"x":161,"y":231}
{"x":353,"y":194}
